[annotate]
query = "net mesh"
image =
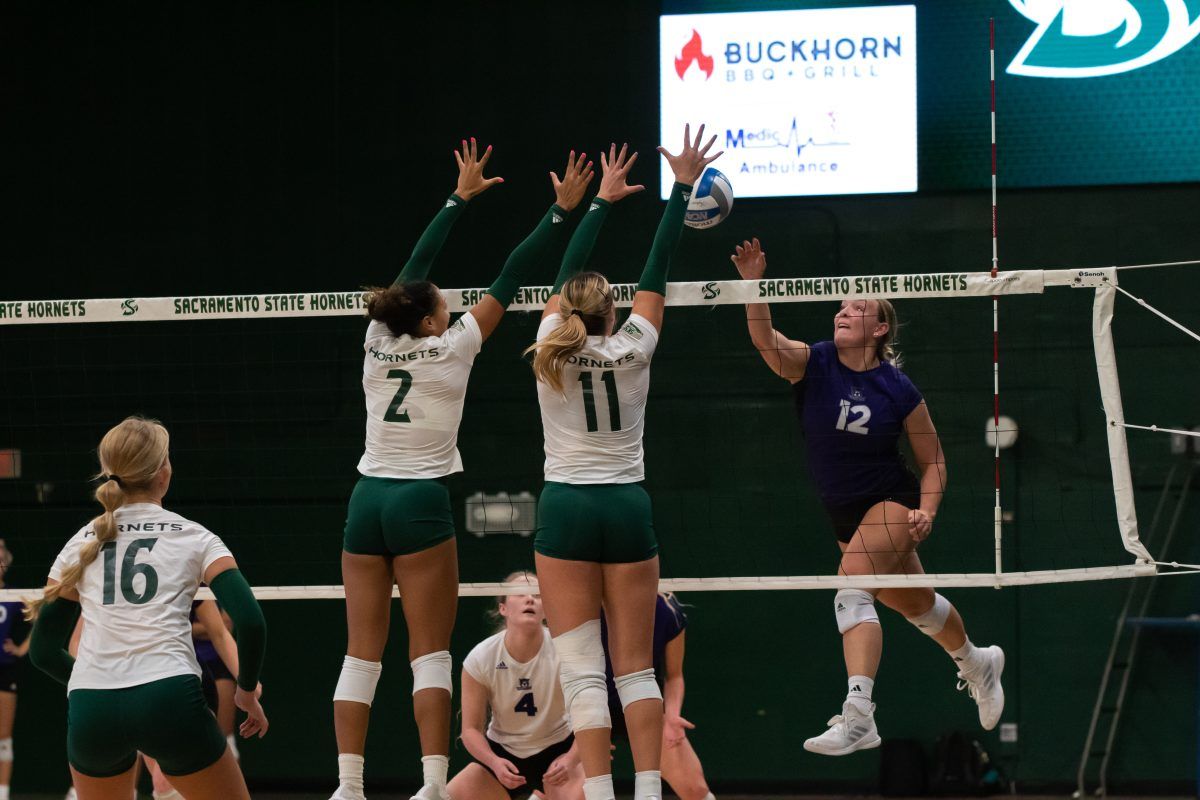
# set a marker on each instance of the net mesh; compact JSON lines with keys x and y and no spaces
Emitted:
{"x":263,"y":400}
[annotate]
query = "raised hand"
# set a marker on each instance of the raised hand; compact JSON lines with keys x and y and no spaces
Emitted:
{"x":470,"y":170}
{"x":750,"y":260}
{"x":568,"y":190}
{"x":256,"y":718}
{"x":689,"y":165}
{"x":614,"y":173}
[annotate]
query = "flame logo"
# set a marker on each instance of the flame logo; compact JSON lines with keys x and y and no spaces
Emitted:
{"x":694,"y":51}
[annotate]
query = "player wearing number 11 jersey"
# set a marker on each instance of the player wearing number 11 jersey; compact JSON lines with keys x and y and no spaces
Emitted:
{"x":854,"y":402}
{"x":595,"y":539}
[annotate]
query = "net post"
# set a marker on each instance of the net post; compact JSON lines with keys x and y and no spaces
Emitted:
{"x":1114,"y":415}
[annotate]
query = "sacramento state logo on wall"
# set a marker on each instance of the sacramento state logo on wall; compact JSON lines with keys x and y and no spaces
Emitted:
{"x":1087,"y":38}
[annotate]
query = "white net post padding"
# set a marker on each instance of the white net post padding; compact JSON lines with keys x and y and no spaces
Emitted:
{"x":1110,"y":395}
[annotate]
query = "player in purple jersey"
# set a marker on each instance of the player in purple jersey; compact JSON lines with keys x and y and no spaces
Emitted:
{"x":14,"y":635}
{"x":854,"y":402}
{"x":681,"y":767}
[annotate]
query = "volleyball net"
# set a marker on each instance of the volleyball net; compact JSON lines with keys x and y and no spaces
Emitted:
{"x":262,"y":396}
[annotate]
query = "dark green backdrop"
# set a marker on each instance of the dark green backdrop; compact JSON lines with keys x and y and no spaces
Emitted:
{"x":224,"y":148}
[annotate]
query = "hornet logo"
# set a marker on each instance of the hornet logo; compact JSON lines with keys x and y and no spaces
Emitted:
{"x":129,"y":308}
{"x":711,"y":290}
{"x":694,"y":51}
{"x":1087,"y":38}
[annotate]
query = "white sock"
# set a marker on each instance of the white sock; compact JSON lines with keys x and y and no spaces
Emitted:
{"x":966,"y":657}
{"x":859,"y":694}
{"x":434,"y":769}
{"x":709,"y":796}
{"x":171,"y":795}
{"x":4,"y":792}
{"x":350,"y":771}
{"x":599,"y":788}
{"x":647,"y":785}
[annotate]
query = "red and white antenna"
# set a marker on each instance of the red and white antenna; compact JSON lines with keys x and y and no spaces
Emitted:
{"x":995,"y":299}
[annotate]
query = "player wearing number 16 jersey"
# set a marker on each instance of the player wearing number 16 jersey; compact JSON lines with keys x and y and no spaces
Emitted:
{"x":399,"y":529}
{"x":854,"y":402}
{"x":595,"y":539}
{"x":135,"y":685}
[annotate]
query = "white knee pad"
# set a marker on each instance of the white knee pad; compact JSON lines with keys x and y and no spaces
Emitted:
{"x":6,"y":750}
{"x":433,"y":671}
{"x":932,"y":621}
{"x":357,"y":681}
{"x":853,"y":607}
{"x":581,"y":670}
{"x":637,"y":686}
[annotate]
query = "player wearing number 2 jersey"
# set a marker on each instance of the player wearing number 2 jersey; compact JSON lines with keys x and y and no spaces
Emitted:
{"x":135,"y":686}
{"x":854,"y":402}
{"x":528,"y":746}
{"x":595,"y":539}
{"x":399,"y":529}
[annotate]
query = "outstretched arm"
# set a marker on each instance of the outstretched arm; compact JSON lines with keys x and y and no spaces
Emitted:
{"x":614,"y":174}
{"x":688,"y":166}
{"x":537,"y":246}
{"x":470,"y":183}
{"x":786,"y":357}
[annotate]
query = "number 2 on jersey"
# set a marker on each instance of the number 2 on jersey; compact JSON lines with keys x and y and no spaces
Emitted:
{"x":393,"y":413}
{"x":526,"y":704}
{"x":609,"y":379}
{"x":859,"y":423}
{"x":130,"y":569}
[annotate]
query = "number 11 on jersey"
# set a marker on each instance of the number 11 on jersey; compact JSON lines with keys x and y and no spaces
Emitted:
{"x":609,"y":379}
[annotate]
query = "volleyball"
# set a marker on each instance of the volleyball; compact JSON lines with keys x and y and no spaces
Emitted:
{"x":712,"y":200}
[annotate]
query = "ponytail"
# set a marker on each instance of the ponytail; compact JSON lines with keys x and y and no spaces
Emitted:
{"x":885,"y":348}
{"x":402,"y":306}
{"x":585,"y":302}
{"x":131,"y":455}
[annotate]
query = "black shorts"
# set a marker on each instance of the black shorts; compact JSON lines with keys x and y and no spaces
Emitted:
{"x":531,"y":768}
{"x":846,"y":517}
{"x":8,"y":677}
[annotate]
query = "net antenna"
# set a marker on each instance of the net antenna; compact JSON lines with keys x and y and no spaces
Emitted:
{"x":997,"y":513}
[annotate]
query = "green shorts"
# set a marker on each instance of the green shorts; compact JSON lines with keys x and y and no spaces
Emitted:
{"x":607,"y":523}
{"x":397,"y":516}
{"x":167,"y":720}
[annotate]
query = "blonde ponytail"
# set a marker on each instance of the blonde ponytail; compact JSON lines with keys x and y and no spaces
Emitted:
{"x":885,"y":348}
{"x":131,"y":455}
{"x":584,"y":302}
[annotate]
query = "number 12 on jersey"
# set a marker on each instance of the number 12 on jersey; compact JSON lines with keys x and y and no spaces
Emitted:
{"x":609,"y":379}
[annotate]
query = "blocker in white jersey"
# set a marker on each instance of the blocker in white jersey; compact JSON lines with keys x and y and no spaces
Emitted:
{"x":528,"y":713}
{"x":137,"y":597}
{"x":414,"y":388}
{"x":594,"y":426}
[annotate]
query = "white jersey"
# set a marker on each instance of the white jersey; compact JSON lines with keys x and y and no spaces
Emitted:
{"x":137,"y":598}
{"x":415,"y":388}
{"x":528,"y":711}
{"x":594,"y":427}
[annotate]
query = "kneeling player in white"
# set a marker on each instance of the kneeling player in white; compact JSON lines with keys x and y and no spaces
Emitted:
{"x":528,"y":746}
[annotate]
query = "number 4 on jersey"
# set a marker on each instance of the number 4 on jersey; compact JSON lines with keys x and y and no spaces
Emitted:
{"x":526,"y":704}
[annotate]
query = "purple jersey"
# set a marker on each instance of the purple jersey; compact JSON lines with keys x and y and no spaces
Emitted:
{"x":669,"y":622}
{"x":205,"y":651}
{"x":852,"y":422}
{"x":12,"y":625}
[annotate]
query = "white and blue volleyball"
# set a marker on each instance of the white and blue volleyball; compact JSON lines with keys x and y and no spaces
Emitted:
{"x":712,"y":200}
